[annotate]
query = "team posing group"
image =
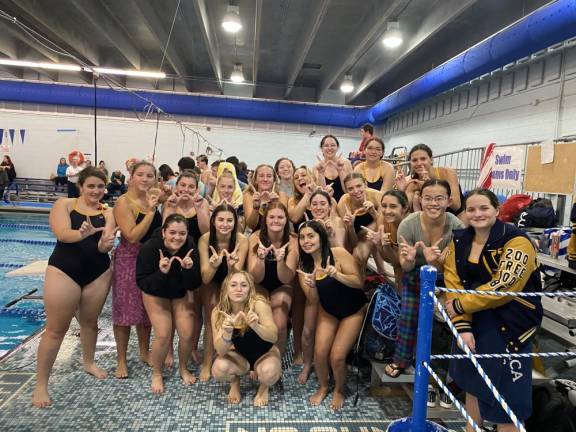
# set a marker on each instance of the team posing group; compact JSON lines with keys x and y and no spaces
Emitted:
{"x":183,"y":262}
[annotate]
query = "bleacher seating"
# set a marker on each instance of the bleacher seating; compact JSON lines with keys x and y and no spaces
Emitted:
{"x":33,"y":189}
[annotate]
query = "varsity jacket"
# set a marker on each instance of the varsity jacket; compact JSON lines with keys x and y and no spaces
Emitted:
{"x":572,"y":242}
{"x":508,"y":263}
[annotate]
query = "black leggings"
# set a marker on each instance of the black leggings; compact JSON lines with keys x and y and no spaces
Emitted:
{"x":73,"y":190}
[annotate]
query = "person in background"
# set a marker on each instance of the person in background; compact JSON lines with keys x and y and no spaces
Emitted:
{"x":234,"y":161}
{"x":117,"y":183}
{"x":102,"y":167}
{"x":366,"y":133}
{"x":284,"y":169}
{"x":88,"y":163}
{"x":167,"y":176}
{"x":61,"y":179}
{"x":243,"y":172}
{"x":491,"y":255}
{"x":202,"y":165}
{"x":72,"y":173}
{"x":8,"y":166}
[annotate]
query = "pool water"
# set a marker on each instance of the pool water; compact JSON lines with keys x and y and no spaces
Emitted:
{"x":21,"y":320}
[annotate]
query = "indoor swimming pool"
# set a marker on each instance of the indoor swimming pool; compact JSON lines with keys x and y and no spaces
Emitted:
{"x":24,"y":239}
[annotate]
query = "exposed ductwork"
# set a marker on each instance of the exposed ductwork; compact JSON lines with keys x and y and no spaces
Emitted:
{"x":547,"y":26}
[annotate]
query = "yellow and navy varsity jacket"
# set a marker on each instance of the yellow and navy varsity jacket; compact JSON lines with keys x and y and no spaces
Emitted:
{"x":508,"y":263}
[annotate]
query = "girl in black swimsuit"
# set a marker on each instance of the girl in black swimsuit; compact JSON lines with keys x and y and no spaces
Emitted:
{"x":167,"y":267}
{"x":379,"y":174}
{"x":244,"y":336}
{"x":77,"y":277}
{"x":272,"y":260}
{"x":223,"y":250}
{"x":332,"y":276}
{"x":332,"y":168}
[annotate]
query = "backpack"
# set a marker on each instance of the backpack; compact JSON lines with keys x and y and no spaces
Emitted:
{"x":538,"y":214}
{"x":513,"y":206}
{"x":378,"y":337}
{"x":552,"y":409}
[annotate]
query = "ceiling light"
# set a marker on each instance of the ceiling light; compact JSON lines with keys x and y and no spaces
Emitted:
{"x":126,"y":72}
{"x":231,"y":21}
{"x":39,"y":65}
{"x":237,"y":75}
{"x":393,"y":36}
{"x":347,"y":85}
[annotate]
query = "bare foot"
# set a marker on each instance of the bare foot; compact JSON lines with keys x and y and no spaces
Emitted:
{"x":205,"y":373}
{"x":195,"y":356}
{"x":337,"y":400}
{"x":94,"y":370}
{"x":145,"y":357}
{"x":187,"y":377}
{"x":40,"y":398}
{"x":298,"y":359}
{"x":169,"y":360}
{"x":317,"y":398}
{"x":303,"y":376}
{"x":157,"y":385}
{"x":234,"y":395}
{"x":121,"y":371}
{"x":261,"y":398}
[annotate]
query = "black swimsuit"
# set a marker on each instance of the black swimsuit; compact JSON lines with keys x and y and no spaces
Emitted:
{"x":250,"y":346}
{"x":81,"y":261}
{"x":221,"y":271}
{"x":377,"y":185}
{"x":156,"y":223}
{"x":194,"y":228}
{"x":337,"y":187}
{"x":271,"y":281}
{"x":338,"y":299}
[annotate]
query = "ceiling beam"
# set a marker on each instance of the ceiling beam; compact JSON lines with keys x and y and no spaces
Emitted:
{"x":156,"y":28}
{"x":257,"y":32}
{"x":12,"y":30}
{"x":305,"y":42}
{"x":210,"y":40}
{"x":374,"y":27}
{"x":440,"y":16}
{"x":48,"y":23}
{"x":96,"y":15}
{"x":9,"y":47}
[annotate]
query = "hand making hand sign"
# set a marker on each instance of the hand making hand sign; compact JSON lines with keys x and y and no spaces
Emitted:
{"x":166,"y":263}
{"x":263,"y":251}
{"x":215,"y":257}
{"x":280,"y":253}
{"x":87,"y":229}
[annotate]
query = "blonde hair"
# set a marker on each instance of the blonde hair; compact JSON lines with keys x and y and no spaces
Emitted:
{"x":253,"y":180}
{"x":224,"y":305}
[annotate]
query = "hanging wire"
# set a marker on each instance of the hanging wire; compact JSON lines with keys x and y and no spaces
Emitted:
{"x":168,"y":41}
{"x":116,"y":85}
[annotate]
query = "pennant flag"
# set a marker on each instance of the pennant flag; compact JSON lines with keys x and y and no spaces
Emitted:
{"x":12,"y":132}
{"x":1,"y":136}
{"x":486,"y":165}
{"x":22,"y":134}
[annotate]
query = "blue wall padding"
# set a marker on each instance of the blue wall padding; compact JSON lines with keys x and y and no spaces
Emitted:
{"x":547,"y":26}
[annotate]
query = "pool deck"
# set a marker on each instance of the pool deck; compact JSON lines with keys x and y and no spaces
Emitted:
{"x":81,"y":402}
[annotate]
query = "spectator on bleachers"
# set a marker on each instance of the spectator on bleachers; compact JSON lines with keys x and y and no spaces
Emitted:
{"x":117,"y":183}
{"x":72,"y":173}
{"x":242,"y":172}
{"x":88,"y":163}
{"x":61,"y":179}
{"x":102,"y":167}
{"x":8,"y":167}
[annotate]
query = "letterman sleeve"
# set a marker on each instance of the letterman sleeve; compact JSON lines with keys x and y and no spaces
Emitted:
{"x":462,"y":322}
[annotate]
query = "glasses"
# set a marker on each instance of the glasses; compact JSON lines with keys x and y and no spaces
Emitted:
{"x":438,"y":199}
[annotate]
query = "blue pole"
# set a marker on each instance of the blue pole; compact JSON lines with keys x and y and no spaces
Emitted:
{"x":418,"y":422}
{"x":423,"y":347}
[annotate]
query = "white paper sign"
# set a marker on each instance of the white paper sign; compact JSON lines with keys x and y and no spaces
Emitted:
{"x":547,"y":152}
{"x":507,"y":170}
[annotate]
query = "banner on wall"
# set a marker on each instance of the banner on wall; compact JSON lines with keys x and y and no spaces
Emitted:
{"x":507,"y":168}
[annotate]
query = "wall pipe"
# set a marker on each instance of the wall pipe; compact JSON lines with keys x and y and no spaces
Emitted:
{"x":547,"y":26}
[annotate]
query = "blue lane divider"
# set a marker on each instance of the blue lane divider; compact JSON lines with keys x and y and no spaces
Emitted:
{"x":10,"y":265}
{"x":35,"y":242}
{"x":24,"y":312}
{"x":26,"y":226}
